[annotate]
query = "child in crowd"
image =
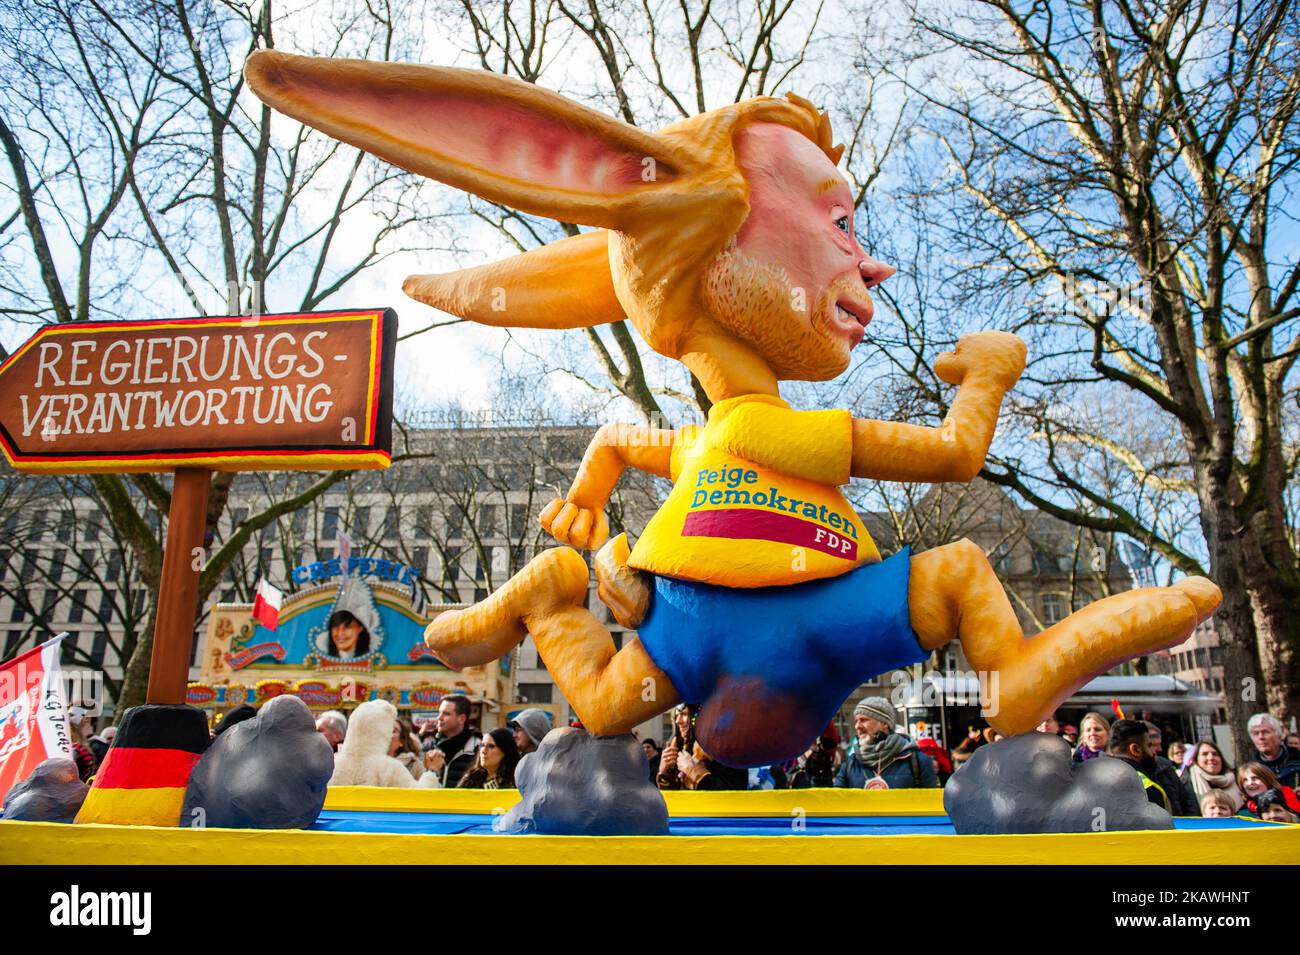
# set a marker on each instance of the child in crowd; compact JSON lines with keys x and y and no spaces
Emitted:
{"x":1216,"y":804}
{"x":1256,"y":779}
{"x":1272,"y":806}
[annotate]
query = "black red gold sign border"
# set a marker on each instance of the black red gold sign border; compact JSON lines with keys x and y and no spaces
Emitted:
{"x":371,"y":450}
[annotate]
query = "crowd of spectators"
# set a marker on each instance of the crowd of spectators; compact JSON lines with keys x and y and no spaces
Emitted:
{"x":1195,"y":779}
{"x":879,"y":757}
{"x":446,"y":752}
{"x":376,"y":746}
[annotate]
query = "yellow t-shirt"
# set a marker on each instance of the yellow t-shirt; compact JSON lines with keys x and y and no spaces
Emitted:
{"x":756,"y":500}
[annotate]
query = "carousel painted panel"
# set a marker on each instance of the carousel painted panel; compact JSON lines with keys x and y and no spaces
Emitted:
{"x":336,"y":644}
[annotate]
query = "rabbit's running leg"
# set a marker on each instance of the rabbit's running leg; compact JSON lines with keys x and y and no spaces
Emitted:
{"x":612,"y":691}
{"x":954,"y":593}
{"x":494,"y":626}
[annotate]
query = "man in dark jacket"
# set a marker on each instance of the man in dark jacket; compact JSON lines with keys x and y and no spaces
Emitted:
{"x":1130,"y":743}
{"x":1166,"y":775}
{"x":881,"y":758}
{"x":456,"y":745}
{"x":1271,"y":751}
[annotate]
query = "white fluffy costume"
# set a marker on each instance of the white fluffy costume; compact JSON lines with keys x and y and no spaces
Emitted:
{"x":363,"y":759}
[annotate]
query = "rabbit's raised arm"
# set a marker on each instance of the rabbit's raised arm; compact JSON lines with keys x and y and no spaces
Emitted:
{"x":984,"y":367}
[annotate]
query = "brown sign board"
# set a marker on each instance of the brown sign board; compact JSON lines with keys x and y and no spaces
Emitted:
{"x":299,"y":391}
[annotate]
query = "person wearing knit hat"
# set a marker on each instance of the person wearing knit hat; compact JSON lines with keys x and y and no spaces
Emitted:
{"x":529,"y":727}
{"x":881,"y":758}
{"x":878,"y":708}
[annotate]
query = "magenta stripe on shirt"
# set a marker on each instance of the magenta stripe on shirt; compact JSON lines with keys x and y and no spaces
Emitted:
{"x":741,"y":523}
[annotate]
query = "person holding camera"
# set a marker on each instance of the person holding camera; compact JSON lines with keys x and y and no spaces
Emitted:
{"x":816,"y":768}
{"x":685,"y":765}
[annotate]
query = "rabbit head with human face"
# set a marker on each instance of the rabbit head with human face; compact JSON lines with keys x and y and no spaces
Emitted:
{"x":727,"y":238}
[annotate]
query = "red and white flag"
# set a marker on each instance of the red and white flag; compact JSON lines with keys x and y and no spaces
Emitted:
{"x":33,"y":713}
{"x":266,"y":605}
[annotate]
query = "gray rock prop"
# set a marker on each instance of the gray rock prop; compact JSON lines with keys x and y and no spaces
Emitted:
{"x":577,"y":784}
{"x":1027,"y":784}
{"x":52,"y":793}
{"x":269,"y":772}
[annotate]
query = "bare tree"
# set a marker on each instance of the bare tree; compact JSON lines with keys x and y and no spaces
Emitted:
{"x":1112,"y":180}
{"x":58,"y":563}
{"x":144,"y":180}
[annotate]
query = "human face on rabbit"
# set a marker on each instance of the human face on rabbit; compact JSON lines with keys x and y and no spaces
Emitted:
{"x":795,"y":284}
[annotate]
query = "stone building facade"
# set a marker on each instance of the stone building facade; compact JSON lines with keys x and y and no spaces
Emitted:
{"x":460,"y":508}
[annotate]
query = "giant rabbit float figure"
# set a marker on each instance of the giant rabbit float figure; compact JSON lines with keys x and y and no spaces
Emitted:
{"x":728,"y":241}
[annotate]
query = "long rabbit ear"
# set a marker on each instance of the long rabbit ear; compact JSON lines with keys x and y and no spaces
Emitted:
{"x":566,"y":284}
{"x":500,"y":138}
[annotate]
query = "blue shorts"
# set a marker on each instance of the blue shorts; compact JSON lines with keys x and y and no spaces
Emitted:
{"x":770,"y":666}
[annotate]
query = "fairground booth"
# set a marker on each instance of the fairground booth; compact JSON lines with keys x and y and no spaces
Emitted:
{"x":243,"y":662}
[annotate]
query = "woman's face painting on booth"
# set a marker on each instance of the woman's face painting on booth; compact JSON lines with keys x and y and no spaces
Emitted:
{"x":345,"y":634}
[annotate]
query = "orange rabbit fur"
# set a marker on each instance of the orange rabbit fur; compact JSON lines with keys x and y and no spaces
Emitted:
{"x":727,"y":240}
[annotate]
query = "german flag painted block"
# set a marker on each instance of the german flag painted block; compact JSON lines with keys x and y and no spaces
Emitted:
{"x":143,"y":777}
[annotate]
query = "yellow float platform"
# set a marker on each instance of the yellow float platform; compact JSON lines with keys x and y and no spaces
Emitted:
{"x":362,"y":825}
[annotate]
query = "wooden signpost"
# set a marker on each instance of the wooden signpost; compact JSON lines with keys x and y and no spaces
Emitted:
{"x":304,"y":391}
